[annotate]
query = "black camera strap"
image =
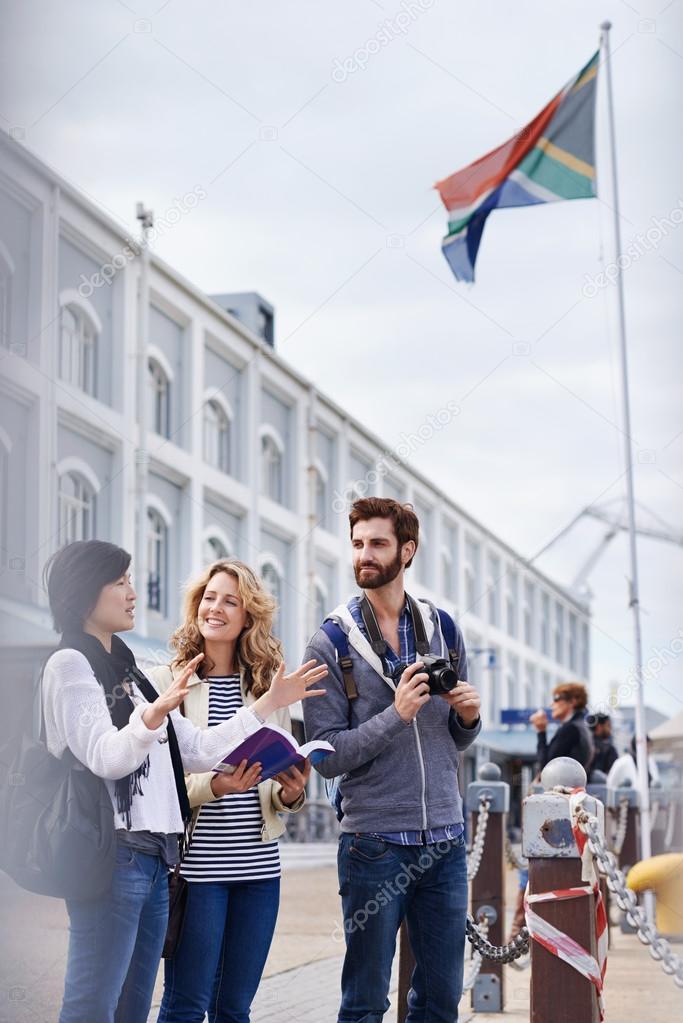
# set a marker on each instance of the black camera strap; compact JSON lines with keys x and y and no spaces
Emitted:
{"x":378,"y":642}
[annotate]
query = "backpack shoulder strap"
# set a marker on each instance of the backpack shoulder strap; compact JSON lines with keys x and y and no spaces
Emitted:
{"x":339,"y":640}
{"x":448,"y":633}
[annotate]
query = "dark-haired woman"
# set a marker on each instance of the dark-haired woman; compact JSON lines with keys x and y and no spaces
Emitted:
{"x":99,"y":705}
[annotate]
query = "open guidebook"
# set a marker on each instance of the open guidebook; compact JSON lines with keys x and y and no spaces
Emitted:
{"x":275,"y":749}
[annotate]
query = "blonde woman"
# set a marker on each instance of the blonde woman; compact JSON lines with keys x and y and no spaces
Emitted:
{"x":233,"y":865}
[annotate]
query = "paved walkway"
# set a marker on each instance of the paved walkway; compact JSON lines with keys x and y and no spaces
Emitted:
{"x":301,"y":979}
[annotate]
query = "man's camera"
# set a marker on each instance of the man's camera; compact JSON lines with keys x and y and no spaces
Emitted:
{"x":442,"y":677}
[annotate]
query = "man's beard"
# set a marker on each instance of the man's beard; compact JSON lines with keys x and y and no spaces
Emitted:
{"x":381,"y":576}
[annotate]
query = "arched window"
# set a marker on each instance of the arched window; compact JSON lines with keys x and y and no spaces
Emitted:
{"x":157,"y":562}
{"x":76,"y":500}
{"x":6,"y":274}
{"x":216,"y":435}
{"x":159,"y":398}
{"x":78,"y":334}
{"x":214,"y":550}
{"x":272,"y":468}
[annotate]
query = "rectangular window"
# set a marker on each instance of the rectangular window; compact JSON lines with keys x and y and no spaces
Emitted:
{"x":585,"y":650}
{"x":493,"y":590}
{"x":513,"y":682}
{"x":559,"y":633}
{"x":472,"y":573}
{"x":545,"y":624}
{"x":529,"y":685}
{"x":449,"y":562}
{"x":494,"y":667}
{"x":511,"y":601}
{"x":573,"y":642}
{"x":529,"y":613}
{"x":423,"y":558}
{"x":545,"y":695}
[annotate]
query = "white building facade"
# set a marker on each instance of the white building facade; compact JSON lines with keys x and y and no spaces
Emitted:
{"x":240,"y":456}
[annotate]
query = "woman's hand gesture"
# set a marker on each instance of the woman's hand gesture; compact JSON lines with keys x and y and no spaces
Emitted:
{"x":288,"y":689}
{"x":155,"y":715}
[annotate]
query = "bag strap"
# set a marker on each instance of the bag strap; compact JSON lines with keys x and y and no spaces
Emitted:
{"x":377,"y":640}
{"x":448,"y":633}
{"x":339,"y":640}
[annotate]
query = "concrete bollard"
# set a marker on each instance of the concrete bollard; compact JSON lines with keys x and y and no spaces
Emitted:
{"x":559,"y":993}
{"x":488,"y":884}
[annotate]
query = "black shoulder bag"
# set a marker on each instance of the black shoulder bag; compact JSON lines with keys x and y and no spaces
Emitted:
{"x":57,"y":832}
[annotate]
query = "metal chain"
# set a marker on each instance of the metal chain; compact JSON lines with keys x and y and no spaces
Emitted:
{"x":627,"y":901}
{"x":476,"y":960}
{"x":515,"y":949}
{"x":514,"y":858}
{"x":477,"y":850}
{"x":622,"y":823}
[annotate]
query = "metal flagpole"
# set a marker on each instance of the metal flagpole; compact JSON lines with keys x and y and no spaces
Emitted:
{"x":140,"y":566}
{"x":641,"y":730}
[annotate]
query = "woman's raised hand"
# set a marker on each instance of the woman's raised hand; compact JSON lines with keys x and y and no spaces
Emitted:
{"x":287,"y":689}
{"x":293,"y":687}
{"x":155,"y":714}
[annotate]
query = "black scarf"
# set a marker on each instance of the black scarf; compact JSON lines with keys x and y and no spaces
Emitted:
{"x":115,"y":672}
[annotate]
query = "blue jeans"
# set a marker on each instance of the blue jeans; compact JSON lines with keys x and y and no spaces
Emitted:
{"x":115,"y":944}
{"x":223,"y":948}
{"x":381,"y":883}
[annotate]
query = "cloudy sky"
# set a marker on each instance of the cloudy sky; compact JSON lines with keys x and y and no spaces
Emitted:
{"x":317,"y":131}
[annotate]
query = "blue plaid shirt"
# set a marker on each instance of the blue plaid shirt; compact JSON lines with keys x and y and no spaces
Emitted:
{"x":407,"y":655}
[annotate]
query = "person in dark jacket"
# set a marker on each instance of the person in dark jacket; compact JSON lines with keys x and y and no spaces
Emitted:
{"x":605,"y":751}
{"x":572,"y":738}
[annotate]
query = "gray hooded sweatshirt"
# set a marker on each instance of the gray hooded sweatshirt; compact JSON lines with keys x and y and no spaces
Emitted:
{"x":395,"y":776}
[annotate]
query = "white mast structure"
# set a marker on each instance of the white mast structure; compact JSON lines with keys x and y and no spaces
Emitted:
{"x":634,"y":603}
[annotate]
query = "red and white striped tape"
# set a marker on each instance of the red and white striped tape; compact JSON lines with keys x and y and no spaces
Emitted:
{"x":554,"y":940}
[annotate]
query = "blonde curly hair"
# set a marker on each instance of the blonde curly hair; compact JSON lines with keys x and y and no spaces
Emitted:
{"x":259,"y":653}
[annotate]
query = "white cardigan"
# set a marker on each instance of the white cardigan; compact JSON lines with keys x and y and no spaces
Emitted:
{"x":77,"y":716}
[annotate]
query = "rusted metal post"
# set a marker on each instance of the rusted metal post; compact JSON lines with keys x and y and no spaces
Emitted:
{"x":629,"y":853}
{"x":488,"y":884}
{"x":559,"y":994}
{"x":630,"y":849}
{"x":406,"y":965}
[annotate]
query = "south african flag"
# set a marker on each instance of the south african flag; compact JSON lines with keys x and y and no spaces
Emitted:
{"x":552,"y":158}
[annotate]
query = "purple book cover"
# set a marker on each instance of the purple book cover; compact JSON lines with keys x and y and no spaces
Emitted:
{"x":275,"y":749}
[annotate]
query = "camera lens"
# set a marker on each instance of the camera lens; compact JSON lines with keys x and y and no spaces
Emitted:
{"x":442,"y":680}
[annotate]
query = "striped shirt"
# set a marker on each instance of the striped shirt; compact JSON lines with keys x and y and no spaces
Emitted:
{"x":226,"y":843}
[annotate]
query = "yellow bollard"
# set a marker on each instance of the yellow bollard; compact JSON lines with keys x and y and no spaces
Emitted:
{"x":664,"y":876}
